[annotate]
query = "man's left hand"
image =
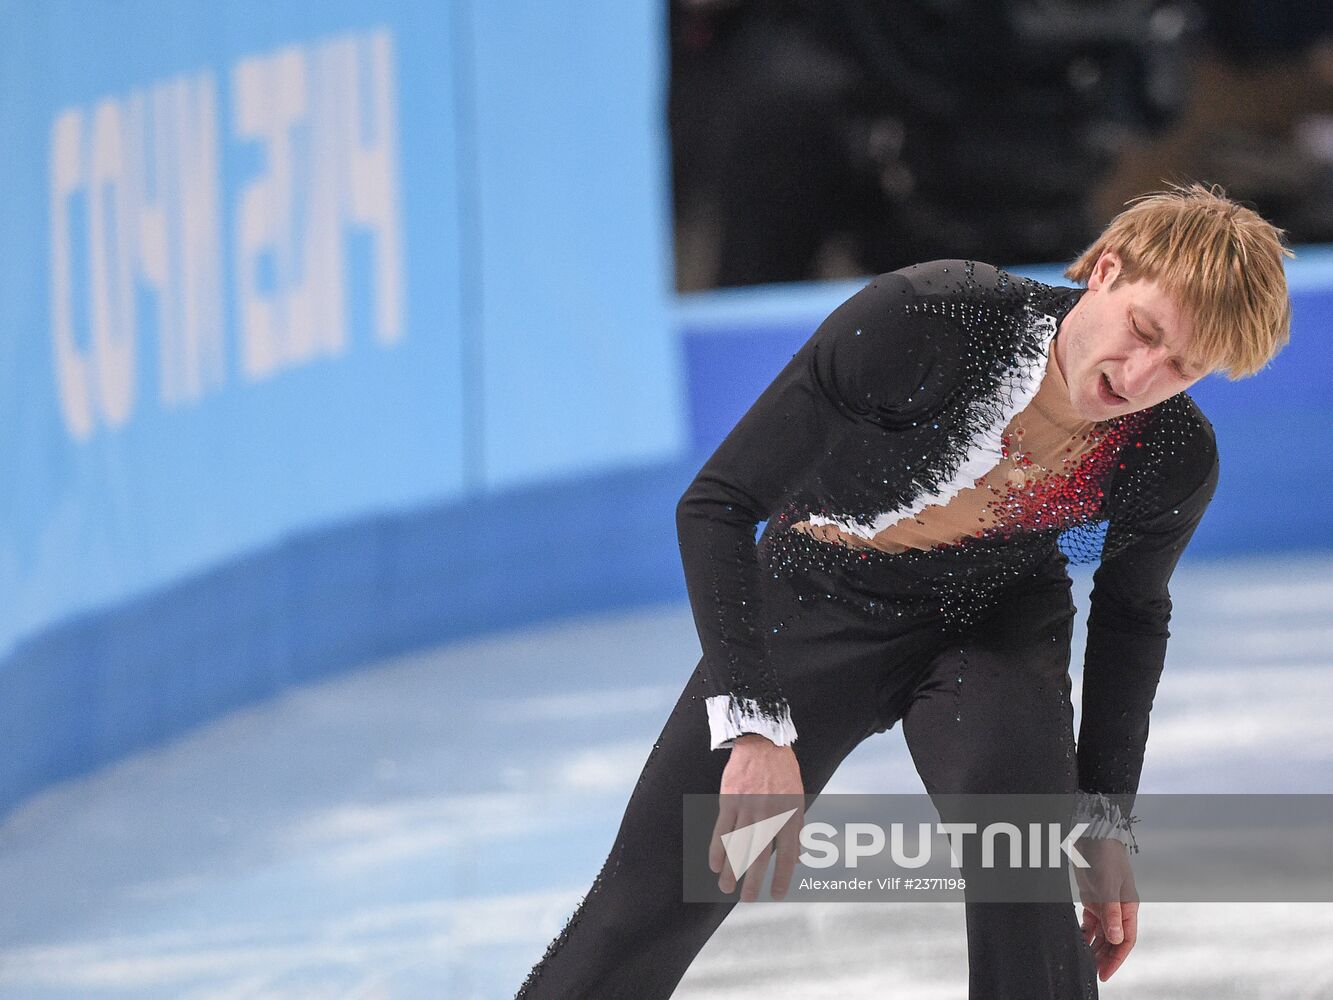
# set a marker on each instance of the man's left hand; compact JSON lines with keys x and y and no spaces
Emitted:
{"x":1110,"y":903}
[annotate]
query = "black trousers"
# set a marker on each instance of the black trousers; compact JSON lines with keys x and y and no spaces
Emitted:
{"x":986,"y":710}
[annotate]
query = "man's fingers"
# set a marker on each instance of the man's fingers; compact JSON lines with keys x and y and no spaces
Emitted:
{"x":788,"y":847}
{"x":1103,"y":953}
{"x":1089,"y":925}
{"x":1129,"y":918}
{"x":748,"y":815}
{"x":1110,"y":954}
{"x":1114,"y":959}
{"x":1110,"y":957}
{"x":1114,"y":927}
{"x":726,"y":881}
{"x":730,"y":820}
{"x":1119,"y":952}
{"x":754,"y":876}
{"x":717,"y":854}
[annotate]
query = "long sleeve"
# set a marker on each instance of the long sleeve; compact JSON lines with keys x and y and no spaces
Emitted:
{"x":1130,"y":608}
{"x":865,"y":365}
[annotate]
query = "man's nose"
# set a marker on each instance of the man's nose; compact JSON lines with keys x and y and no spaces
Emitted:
{"x":1139,"y":370}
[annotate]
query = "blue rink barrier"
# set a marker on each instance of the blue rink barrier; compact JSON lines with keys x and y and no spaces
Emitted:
{"x":273,"y":276}
{"x":100,"y":686}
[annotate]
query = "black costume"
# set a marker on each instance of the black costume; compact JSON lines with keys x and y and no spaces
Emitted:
{"x":898,"y":402}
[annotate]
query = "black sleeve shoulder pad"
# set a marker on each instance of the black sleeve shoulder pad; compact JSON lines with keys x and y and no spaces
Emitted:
{"x":882,"y":356}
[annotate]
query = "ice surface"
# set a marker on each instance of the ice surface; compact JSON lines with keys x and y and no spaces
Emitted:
{"x":422,"y":828}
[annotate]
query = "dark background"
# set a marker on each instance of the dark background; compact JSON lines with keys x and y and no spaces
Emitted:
{"x":829,"y":138}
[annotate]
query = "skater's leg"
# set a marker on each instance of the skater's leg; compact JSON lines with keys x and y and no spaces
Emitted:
{"x":633,"y":936}
{"x":993,"y":715}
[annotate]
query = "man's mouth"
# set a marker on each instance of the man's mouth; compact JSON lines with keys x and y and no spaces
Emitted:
{"x":1109,"y":395}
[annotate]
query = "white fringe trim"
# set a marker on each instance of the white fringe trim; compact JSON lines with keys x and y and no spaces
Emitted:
{"x":1104,"y":818}
{"x":1019,"y":385}
{"x":729,"y":717}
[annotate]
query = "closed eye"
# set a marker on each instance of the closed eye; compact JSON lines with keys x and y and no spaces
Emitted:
{"x":1176,"y":366}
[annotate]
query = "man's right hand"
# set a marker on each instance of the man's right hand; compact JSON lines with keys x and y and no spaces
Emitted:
{"x":761,"y":780}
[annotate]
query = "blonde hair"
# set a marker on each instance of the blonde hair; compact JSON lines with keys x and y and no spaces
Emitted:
{"x":1220,"y":261}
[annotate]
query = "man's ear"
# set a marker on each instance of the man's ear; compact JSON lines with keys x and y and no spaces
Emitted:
{"x":1105,"y":271}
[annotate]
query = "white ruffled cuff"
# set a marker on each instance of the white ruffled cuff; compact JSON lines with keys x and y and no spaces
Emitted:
{"x":1105,"y":819}
{"x":730,"y":716}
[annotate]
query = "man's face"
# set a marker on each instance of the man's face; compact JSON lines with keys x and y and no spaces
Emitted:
{"x":1123,"y":346}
